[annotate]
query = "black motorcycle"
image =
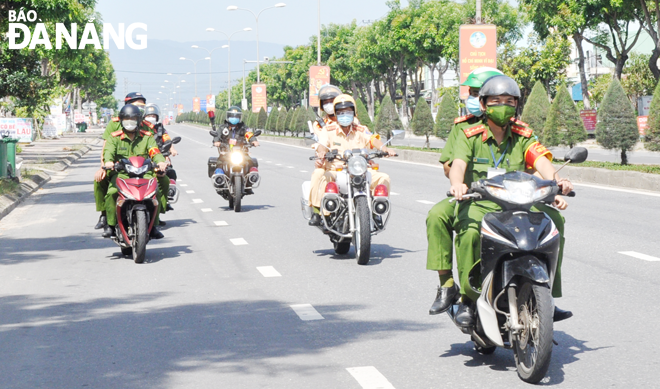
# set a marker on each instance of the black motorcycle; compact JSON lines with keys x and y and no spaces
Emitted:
{"x":519,"y":252}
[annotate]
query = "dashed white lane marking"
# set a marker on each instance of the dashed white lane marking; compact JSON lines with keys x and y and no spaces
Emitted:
{"x":238,"y":242}
{"x":268,"y":271}
{"x":425,"y":202}
{"x":179,"y":180}
{"x":190,"y":191}
{"x":197,"y":201}
{"x":183,"y":185}
{"x":641,"y":256}
{"x":278,"y":164}
{"x":221,"y":223}
{"x":370,"y":378}
{"x":306,"y":312}
{"x":393,"y":194}
{"x":207,"y":210}
{"x":304,"y":171}
{"x":289,"y":167}
{"x":269,"y":162}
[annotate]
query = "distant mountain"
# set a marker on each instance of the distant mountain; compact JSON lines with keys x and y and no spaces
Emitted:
{"x":162,"y":56}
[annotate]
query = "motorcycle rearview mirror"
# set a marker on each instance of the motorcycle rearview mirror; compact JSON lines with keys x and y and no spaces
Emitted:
{"x":257,"y":133}
{"x":176,"y":140}
{"x":166,"y":146}
{"x":311,"y":139}
{"x":398,"y":134}
{"x":576,"y":155}
{"x":213,"y":133}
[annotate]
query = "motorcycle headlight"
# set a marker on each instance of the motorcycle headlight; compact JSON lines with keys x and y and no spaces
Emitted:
{"x":517,"y":192}
{"x":136,"y":170}
{"x":236,"y":158}
{"x":357,"y":166}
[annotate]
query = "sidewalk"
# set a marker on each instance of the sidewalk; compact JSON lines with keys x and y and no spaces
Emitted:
{"x":46,"y":157}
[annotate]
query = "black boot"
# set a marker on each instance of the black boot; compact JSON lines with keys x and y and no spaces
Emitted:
{"x":249,"y":191}
{"x":155,"y":234}
{"x":560,"y":315}
{"x":102,"y":222}
{"x":161,"y":223}
{"x":444,"y":299}
{"x":169,"y":207}
{"x":108,"y":231}
{"x":315,"y":220}
{"x":465,"y":315}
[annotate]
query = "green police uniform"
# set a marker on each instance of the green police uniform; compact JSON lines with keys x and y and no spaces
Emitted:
{"x":120,"y":146}
{"x":476,"y":146}
{"x":441,"y":218}
{"x":163,"y":181}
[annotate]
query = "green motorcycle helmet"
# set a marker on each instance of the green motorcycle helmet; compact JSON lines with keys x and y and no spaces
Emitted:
{"x":478,"y":76}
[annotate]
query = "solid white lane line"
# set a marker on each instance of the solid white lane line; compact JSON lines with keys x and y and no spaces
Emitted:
{"x":190,"y":191}
{"x":238,"y":242}
{"x":306,"y":312}
{"x":633,"y":191}
{"x":369,"y":378}
{"x":641,"y":256}
{"x":393,"y":194}
{"x":221,"y":223}
{"x":268,"y":271}
{"x":304,"y":171}
{"x":425,"y":202}
{"x":207,"y":210}
{"x":197,"y":201}
{"x":182,"y":185}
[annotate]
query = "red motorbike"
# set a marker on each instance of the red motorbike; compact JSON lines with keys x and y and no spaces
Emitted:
{"x":137,"y":206}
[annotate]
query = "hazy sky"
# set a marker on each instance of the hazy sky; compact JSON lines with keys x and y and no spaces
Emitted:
{"x":187,"y":20}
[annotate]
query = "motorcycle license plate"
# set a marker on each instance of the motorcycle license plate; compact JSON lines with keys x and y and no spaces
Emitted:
{"x":232,"y":142}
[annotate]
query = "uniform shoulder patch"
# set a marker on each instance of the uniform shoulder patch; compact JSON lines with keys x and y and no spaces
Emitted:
{"x":361,"y":128}
{"x":117,"y":133}
{"x":145,"y":133}
{"x":463,"y":118}
{"x":480,"y":129}
{"x":521,"y":123}
{"x":115,"y":119}
{"x":522,"y":131}
{"x":148,"y":124}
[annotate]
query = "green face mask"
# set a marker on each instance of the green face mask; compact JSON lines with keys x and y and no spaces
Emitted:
{"x":500,"y":114}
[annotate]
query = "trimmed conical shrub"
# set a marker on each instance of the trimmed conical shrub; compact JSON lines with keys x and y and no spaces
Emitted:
{"x":271,"y":125}
{"x":652,"y":137}
{"x":261,"y":119}
{"x":422,"y":122}
{"x":388,"y":118}
{"x":444,"y":119}
{"x":536,"y":109}
{"x":363,"y":114}
{"x":616,"y":128}
{"x":281,"y":121}
{"x":563,"y":125}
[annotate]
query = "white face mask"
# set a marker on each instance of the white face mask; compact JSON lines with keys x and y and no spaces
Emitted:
{"x":151,"y":119}
{"x":329,"y":109}
{"x":129,"y":125}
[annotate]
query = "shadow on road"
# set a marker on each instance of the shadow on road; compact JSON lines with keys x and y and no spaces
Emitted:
{"x":502,"y":360}
{"x":245,"y":208}
{"x":135,"y":342}
{"x":379,"y":252}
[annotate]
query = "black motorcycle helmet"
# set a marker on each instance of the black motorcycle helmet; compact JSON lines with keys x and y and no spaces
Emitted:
{"x":133,"y":97}
{"x":234,"y":113}
{"x":130,"y":117}
{"x":152,"y":109}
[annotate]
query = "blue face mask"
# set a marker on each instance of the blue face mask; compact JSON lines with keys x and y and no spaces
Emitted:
{"x":345,"y":119}
{"x":234,"y":121}
{"x":474,"y":106}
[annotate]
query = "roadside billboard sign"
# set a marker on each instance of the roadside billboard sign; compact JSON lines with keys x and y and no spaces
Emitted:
{"x":477,"y":49}
{"x":318,"y":76}
{"x":259,"y":97}
{"x":589,"y":118}
{"x":196,"y":104}
{"x":210,"y":103}
{"x":642,"y":124}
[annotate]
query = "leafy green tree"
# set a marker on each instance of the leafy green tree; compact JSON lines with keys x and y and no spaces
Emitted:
{"x":536,"y":109}
{"x":652,"y":137}
{"x":598,"y":86}
{"x":387,"y":119}
{"x":261,"y":119}
{"x":617,"y":126}
{"x":444,"y":119}
{"x":362,"y":114}
{"x":422,"y":122}
{"x":647,"y":15}
{"x":638,"y":80}
{"x":563,"y":125}
{"x":281,"y":121}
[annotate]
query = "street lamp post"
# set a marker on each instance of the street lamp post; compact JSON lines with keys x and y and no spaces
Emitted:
{"x":256,"y":17}
{"x":195,"y":62}
{"x":210,"y":68}
{"x":178,"y":81}
{"x":228,"y":46}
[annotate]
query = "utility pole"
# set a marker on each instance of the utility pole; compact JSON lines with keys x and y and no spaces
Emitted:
{"x":318,"y":60}
{"x":125,"y":86}
{"x":478,"y":21}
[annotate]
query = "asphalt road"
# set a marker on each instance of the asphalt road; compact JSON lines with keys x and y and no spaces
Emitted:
{"x":595,"y":153}
{"x":200,"y":313}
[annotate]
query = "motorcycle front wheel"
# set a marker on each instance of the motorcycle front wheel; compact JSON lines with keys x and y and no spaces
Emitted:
{"x":238,"y":193}
{"x":362,"y":234}
{"x":141,"y":236}
{"x":533,"y":347}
